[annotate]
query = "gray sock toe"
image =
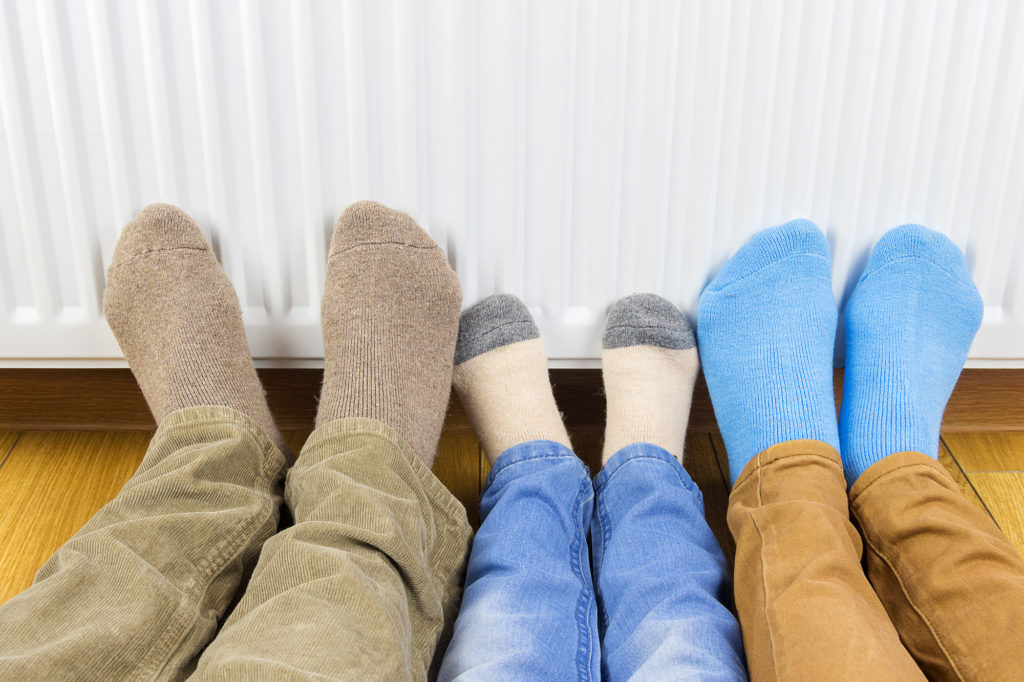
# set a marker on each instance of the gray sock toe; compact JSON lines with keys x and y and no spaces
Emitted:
{"x":647,"y":320}
{"x":493,"y":322}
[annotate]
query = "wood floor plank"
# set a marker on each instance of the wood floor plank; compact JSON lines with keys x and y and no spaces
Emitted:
{"x":457,"y":466}
{"x":7,"y":441}
{"x":987,"y":450}
{"x":56,"y":481}
{"x":701,"y":463}
{"x":952,"y":465}
{"x":1003,"y":493}
{"x":485,"y":468}
{"x":587,"y":445}
{"x":295,"y":439}
{"x":983,"y":400}
{"x":721,"y":457}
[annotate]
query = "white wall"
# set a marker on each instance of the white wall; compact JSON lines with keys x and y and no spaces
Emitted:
{"x":569,"y":152}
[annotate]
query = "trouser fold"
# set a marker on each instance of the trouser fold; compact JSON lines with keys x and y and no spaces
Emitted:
{"x":366,"y":584}
{"x":138,"y":591}
{"x":950,"y":581}
{"x":806,"y":608}
{"x":662,"y":581}
{"x":529,"y":611}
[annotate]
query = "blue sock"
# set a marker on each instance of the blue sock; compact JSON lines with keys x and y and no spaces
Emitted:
{"x":765,"y":331}
{"x":909,"y":324}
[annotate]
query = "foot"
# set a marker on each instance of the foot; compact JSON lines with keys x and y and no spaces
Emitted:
{"x":909,"y":325}
{"x":649,"y":364}
{"x":177,"y":319}
{"x":501,"y":376}
{"x":766,"y":329}
{"x":390,"y":317}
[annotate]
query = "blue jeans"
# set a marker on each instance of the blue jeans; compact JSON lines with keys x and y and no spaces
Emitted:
{"x":650,"y":607}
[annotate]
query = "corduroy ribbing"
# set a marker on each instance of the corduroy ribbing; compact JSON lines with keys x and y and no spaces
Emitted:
{"x":366,"y":584}
{"x":138,"y":591}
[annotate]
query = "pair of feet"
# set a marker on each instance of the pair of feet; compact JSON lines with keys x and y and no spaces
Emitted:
{"x":649,"y":363}
{"x":390,"y":309}
{"x":389,"y":314}
{"x":766,"y":330}
{"x":390,"y":317}
{"x":766,"y":326}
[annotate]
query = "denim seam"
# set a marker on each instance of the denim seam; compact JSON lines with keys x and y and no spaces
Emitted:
{"x":619,"y":468}
{"x":526,"y":458}
{"x":606,"y":536}
{"x":584,"y":636}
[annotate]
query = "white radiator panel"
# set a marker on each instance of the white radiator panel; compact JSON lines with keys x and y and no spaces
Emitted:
{"x":568,"y":152}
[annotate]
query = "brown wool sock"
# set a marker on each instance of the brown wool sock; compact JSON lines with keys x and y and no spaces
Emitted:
{"x":390,"y":316}
{"x":177,"y":319}
{"x":501,"y":377}
{"x":649,"y":365}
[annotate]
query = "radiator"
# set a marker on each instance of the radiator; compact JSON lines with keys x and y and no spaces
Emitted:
{"x":569,"y":152}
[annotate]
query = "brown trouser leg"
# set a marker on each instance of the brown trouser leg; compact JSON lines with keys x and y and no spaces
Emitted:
{"x":805,"y":606}
{"x":952,"y":584}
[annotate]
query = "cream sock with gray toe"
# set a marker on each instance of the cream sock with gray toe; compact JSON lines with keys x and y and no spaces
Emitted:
{"x":501,"y":377}
{"x":649,"y":365}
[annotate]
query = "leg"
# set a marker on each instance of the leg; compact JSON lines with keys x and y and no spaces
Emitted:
{"x":766,"y":330}
{"x":366,"y":583}
{"x":139,"y":590}
{"x":952,"y":584}
{"x":528,"y":611}
{"x":662,"y":581}
{"x":806,"y":607}
{"x":950,"y":581}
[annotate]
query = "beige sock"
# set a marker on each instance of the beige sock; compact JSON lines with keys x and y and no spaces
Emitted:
{"x":390,"y":318}
{"x":649,"y":365}
{"x":501,"y":376}
{"x":177,"y":319}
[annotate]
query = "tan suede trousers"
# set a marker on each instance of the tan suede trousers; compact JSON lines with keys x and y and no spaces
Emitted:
{"x":365,"y":585}
{"x":943,"y":591}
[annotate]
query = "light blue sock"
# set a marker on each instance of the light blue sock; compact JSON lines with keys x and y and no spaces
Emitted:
{"x":765,"y":331}
{"x":909,"y":324}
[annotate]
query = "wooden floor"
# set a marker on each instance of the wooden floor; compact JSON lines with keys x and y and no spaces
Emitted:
{"x":51,"y":482}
